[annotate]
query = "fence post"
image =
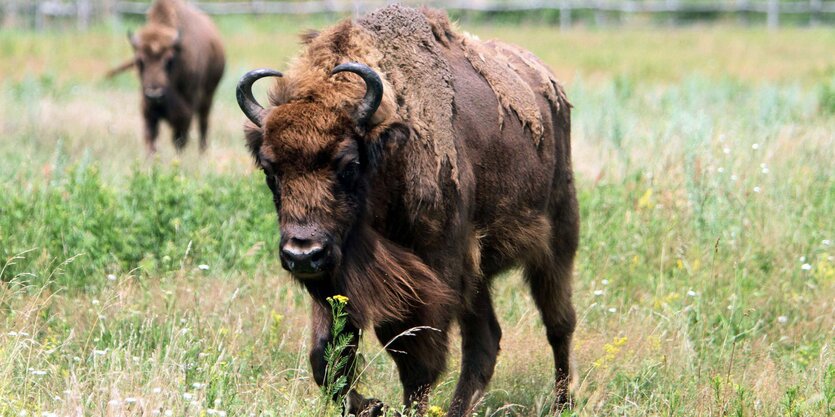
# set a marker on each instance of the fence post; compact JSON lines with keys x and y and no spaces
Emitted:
{"x":773,"y":14}
{"x":82,"y":11}
{"x":10,"y":14}
{"x":565,"y":15}
{"x":599,"y":16}
{"x":815,"y":7}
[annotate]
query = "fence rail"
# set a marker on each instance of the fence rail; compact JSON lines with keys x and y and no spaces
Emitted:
{"x":85,"y":11}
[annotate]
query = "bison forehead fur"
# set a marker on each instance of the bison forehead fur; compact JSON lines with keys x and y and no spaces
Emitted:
{"x":464,"y":172}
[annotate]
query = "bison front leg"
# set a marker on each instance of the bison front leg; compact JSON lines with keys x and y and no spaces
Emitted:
{"x":420,"y":355}
{"x":322,"y":322}
{"x":151,"y":131}
{"x":480,"y":336}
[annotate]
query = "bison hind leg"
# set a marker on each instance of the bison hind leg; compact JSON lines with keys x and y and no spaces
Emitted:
{"x":549,"y":277}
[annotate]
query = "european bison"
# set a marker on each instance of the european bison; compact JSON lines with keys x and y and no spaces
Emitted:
{"x":180,"y":60}
{"x":409,"y":166}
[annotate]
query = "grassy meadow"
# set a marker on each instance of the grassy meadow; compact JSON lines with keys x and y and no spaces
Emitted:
{"x":704,"y":284}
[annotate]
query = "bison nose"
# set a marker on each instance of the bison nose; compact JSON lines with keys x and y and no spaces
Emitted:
{"x":303,"y":256}
{"x":154,"y":93}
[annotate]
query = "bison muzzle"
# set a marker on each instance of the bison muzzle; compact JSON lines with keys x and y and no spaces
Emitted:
{"x":409,"y":166}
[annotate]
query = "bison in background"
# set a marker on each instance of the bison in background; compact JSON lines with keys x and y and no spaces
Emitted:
{"x":410,"y":165}
{"x":180,"y":60}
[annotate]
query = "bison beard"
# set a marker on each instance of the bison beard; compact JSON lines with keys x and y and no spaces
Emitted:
{"x":476,"y":180}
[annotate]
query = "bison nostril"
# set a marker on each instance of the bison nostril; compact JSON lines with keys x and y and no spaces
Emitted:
{"x":303,"y":256}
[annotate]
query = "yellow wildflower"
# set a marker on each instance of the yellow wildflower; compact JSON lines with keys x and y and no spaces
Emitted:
{"x":341,"y":299}
{"x":435,"y":411}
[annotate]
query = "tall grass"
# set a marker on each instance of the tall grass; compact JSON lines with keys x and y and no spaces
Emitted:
{"x":705,"y":278}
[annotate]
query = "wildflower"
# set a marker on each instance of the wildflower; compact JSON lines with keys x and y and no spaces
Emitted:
{"x":826,"y":242}
{"x":757,"y":189}
{"x":691,"y":293}
{"x":806,"y":267}
{"x":764,"y":169}
{"x":435,"y":411}
{"x":341,"y":299}
{"x":156,"y":390}
{"x":734,"y":177}
{"x":726,"y":150}
{"x":111,"y":277}
{"x":114,"y":403}
{"x":782,"y":319}
{"x":130,"y":400}
{"x":12,"y":334}
{"x":203,"y":267}
{"x":197,"y":385}
{"x":37,"y":372}
{"x":213,"y":412}
{"x":97,"y":352}
{"x":598,"y":292}
{"x":605,"y":282}
{"x":802,"y":259}
{"x":612,"y":309}
{"x":168,"y":413}
{"x":154,"y":412}
{"x":755,"y":146}
{"x":720,"y":170}
{"x":95,"y":302}
{"x":187,"y":396}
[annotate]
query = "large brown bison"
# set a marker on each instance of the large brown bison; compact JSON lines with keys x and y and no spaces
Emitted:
{"x":180,"y":61}
{"x":410,"y":165}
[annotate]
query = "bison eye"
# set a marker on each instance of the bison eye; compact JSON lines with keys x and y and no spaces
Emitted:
{"x":272,"y":182}
{"x":140,"y":65}
{"x":169,"y":63}
{"x":349,"y":173}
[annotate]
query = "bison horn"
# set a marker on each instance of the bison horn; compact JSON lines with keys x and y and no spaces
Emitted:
{"x":373,"y":93}
{"x":246,"y":100}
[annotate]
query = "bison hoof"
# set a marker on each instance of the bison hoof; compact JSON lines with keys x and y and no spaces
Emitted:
{"x":372,"y":407}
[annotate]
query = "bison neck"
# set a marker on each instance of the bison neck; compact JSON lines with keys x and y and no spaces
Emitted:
{"x":383,"y":281}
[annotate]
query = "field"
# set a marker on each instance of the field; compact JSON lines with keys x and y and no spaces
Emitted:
{"x":704,"y":284}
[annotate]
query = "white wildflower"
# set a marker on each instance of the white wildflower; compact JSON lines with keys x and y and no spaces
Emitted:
{"x":197,"y":385}
{"x":783,"y":319}
{"x":95,"y":302}
{"x":802,"y":259}
{"x":598,"y":292}
{"x":726,"y":150}
{"x":187,"y":396}
{"x":156,"y":390}
{"x":826,"y":242}
{"x":130,"y":400}
{"x":612,"y":309}
{"x":720,"y":170}
{"x":99,"y":352}
{"x":757,"y":189}
{"x":111,"y":277}
{"x":168,"y":413}
{"x":755,"y":146}
{"x":37,"y":372}
{"x":765,"y":170}
{"x":734,"y":177}
{"x":203,"y":267}
{"x":806,"y":267}
{"x":114,"y":403}
{"x":691,"y":293}
{"x":605,"y":282}
{"x":12,"y":334}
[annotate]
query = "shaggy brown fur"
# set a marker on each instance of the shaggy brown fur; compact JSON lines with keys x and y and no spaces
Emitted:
{"x":463,"y":172}
{"x":180,"y":60}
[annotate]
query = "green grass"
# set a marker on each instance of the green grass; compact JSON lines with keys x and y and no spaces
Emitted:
{"x":704,"y":284}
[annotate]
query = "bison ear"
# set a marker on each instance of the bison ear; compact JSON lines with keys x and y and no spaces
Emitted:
{"x":254,"y":138}
{"x":388,"y":141}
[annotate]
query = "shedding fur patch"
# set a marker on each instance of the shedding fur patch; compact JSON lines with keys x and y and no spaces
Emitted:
{"x":164,"y":12}
{"x":422,"y":79}
{"x":504,"y":68}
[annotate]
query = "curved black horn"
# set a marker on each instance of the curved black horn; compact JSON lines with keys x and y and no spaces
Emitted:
{"x":373,"y":93}
{"x":246,"y":101}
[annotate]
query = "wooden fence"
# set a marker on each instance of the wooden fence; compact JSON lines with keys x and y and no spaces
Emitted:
{"x":40,"y":13}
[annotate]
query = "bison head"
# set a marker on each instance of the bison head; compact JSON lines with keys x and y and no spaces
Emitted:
{"x":318,"y":160}
{"x":156,"y":50}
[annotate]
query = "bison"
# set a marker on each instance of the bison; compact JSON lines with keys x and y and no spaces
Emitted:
{"x":409,"y":166}
{"x":180,"y":60}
